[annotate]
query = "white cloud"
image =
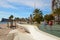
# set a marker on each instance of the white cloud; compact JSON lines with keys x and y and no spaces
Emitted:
{"x":5,"y":13}
{"x":4,"y":4}
{"x":39,"y":3}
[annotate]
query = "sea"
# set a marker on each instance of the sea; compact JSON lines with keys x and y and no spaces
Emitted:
{"x":3,"y":22}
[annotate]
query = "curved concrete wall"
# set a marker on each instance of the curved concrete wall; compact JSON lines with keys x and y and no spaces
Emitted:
{"x":37,"y":34}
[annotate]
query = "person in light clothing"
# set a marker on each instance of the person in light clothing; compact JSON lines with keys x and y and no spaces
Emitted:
{"x":45,"y":24}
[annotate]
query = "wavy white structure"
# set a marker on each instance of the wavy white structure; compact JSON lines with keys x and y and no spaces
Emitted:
{"x":34,"y":34}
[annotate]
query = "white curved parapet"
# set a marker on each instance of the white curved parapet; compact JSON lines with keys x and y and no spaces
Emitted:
{"x":34,"y":34}
{"x":37,"y":34}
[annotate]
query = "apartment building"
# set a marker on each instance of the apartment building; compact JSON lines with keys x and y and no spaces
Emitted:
{"x":55,"y":5}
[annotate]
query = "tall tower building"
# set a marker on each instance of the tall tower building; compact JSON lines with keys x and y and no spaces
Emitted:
{"x":55,"y":4}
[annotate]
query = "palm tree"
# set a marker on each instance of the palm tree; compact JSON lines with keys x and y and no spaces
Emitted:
{"x":37,"y":11}
{"x":37,"y":15}
{"x":57,"y":12}
{"x":48,"y":17}
{"x":11,"y":20}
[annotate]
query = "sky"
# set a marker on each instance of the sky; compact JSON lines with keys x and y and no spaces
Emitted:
{"x":23,"y":8}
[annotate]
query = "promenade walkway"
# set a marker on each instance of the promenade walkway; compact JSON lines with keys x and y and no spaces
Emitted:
{"x":34,"y":34}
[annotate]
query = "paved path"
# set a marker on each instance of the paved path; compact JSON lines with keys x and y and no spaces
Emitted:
{"x":34,"y":34}
{"x":17,"y":35}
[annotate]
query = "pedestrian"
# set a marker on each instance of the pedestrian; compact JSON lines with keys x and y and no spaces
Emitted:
{"x":51,"y":24}
{"x":45,"y":24}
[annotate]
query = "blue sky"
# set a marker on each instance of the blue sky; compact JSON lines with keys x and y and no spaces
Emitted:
{"x":23,"y":8}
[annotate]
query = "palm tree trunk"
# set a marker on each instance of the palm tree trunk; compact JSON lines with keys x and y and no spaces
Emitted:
{"x":11,"y":23}
{"x":8,"y":24}
{"x":15,"y":23}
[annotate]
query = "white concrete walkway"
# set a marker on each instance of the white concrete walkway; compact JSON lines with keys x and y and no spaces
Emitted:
{"x":17,"y":35}
{"x":35,"y":34}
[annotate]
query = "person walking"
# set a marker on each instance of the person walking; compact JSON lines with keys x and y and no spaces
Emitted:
{"x":45,"y":24}
{"x":51,"y":24}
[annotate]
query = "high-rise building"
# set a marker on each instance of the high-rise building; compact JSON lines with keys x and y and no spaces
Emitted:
{"x":55,"y":4}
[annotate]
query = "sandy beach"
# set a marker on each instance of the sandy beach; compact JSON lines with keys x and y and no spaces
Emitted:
{"x":3,"y":25}
{"x":4,"y":30}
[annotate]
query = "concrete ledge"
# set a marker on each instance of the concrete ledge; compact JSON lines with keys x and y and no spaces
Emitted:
{"x":39,"y":32}
{"x":47,"y":33}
